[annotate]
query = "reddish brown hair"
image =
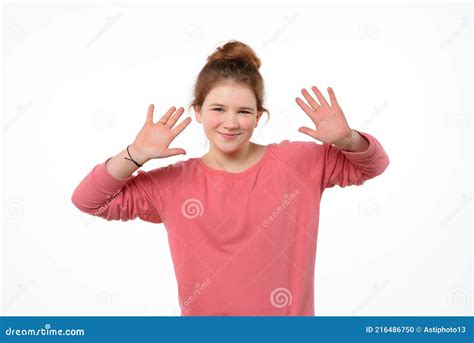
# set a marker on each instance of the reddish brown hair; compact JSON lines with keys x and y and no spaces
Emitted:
{"x":234,"y":62}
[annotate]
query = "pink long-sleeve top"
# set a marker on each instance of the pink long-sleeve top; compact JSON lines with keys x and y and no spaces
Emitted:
{"x":241,"y":243}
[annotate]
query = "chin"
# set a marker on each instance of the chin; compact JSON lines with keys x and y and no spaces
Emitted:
{"x":227,"y":147}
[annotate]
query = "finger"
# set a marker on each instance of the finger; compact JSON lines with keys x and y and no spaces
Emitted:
{"x":321,"y":98}
{"x":313,"y":103}
{"x":332,"y":97}
{"x":167,"y":115}
{"x":174,"y":118}
{"x":149,"y":115}
{"x":307,"y":131}
{"x":178,"y":129}
{"x":309,"y":111}
{"x":175,"y":151}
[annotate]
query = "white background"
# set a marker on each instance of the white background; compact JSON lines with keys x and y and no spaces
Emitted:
{"x":77,"y":81}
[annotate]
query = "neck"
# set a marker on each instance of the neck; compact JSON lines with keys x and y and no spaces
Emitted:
{"x":230,"y":160}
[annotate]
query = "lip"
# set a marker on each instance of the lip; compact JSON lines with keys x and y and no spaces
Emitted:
{"x":229,"y":136}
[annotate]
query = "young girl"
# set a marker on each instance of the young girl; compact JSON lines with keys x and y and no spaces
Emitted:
{"x":242,"y":220}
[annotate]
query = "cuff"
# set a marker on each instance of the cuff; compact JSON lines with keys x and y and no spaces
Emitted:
{"x":105,"y":180}
{"x":363,"y":155}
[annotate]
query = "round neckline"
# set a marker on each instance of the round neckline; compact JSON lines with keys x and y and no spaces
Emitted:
{"x":250,"y":169}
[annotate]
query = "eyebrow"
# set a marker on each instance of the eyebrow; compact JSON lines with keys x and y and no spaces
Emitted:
{"x":242,"y":108}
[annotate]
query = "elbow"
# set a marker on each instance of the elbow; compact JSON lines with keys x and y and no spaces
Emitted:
{"x":78,"y":201}
{"x":385,"y":163}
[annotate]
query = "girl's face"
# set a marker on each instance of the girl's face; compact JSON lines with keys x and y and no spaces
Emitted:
{"x":232,"y":109}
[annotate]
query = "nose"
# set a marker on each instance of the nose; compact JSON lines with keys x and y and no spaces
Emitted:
{"x":230,"y":121}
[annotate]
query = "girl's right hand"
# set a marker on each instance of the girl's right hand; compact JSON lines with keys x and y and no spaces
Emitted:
{"x":153,"y":139}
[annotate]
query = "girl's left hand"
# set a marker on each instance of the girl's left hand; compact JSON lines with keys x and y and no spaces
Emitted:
{"x":331,"y":124}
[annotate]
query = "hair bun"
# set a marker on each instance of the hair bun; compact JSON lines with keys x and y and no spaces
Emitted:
{"x":234,"y":49}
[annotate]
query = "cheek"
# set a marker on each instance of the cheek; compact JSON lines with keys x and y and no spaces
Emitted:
{"x":247,"y":125}
{"x":212,"y":122}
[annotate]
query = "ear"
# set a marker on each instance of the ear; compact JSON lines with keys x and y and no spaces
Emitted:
{"x":259,"y":115}
{"x":197,"y":111}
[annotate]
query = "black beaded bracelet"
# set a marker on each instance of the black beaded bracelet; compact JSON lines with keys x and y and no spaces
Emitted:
{"x":131,"y":159}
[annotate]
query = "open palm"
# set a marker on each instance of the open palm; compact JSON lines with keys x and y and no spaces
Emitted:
{"x":153,"y":139}
{"x":331,"y":124}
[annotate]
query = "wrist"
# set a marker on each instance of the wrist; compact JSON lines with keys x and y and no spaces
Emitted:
{"x":137,"y":154}
{"x":355,"y":142}
{"x":347,"y":140}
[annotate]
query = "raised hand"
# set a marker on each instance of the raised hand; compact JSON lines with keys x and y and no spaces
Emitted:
{"x":331,"y":124}
{"x":153,"y":139}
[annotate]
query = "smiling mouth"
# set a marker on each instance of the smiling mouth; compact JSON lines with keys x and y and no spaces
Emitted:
{"x":229,"y":134}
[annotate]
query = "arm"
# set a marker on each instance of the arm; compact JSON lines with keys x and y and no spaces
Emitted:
{"x":347,"y":156}
{"x":112,"y":192}
{"x":103,"y":195}
{"x":346,"y":168}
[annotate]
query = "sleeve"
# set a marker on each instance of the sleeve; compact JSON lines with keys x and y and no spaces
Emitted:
{"x":101,"y":194}
{"x":346,"y":168}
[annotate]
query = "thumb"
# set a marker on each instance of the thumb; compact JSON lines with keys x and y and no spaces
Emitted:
{"x":175,"y":151}
{"x":308,"y":131}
